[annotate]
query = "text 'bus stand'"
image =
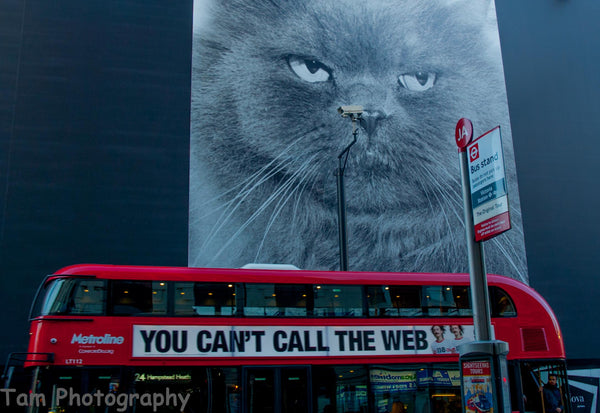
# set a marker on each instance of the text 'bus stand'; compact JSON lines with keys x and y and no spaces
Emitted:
{"x":484,"y":370}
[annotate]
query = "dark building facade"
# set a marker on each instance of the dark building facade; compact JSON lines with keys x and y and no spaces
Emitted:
{"x":94,"y":144}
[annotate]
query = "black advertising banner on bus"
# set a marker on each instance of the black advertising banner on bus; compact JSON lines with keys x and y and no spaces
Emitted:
{"x":292,"y":341}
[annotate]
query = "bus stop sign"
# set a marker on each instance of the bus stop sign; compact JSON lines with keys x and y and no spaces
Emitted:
{"x":489,"y":195}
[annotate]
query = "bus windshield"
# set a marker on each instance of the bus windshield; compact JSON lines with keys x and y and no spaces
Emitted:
{"x":77,"y":296}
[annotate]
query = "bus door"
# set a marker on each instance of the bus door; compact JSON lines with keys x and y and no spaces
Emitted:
{"x":277,"y":390}
{"x":540,"y":386}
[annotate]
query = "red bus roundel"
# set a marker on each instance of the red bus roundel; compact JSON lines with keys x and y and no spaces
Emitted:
{"x":463,"y":133}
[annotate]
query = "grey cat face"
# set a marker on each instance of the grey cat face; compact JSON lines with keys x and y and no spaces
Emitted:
{"x":272,"y":75}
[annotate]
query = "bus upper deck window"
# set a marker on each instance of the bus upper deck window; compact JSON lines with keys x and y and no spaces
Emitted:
{"x":447,"y":300}
{"x":260,"y":300}
{"x":502,"y":304}
{"x":337,"y":300}
{"x":292,"y":299}
{"x":276,"y":300}
{"x":438,"y":300}
{"x":205,"y":299}
{"x":138,"y":298}
{"x":394,"y":301}
{"x":88,"y":297}
{"x":462,"y":299}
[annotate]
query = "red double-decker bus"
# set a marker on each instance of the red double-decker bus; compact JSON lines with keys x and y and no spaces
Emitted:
{"x":136,"y":339}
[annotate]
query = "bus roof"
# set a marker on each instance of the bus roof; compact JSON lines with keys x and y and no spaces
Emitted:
{"x":274,"y":275}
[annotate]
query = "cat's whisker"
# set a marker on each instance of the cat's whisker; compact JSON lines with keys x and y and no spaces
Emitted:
{"x":275,"y":160}
{"x":247,"y":187}
{"x":502,"y":246}
{"x":506,"y":246}
{"x":285,"y":186}
{"x":449,"y":201}
{"x":242,"y":227}
{"x":304,"y":187}
{"x":241,"y":188}
{"x":289,"y":189}
{"x":235,"y":188}
{"x":451,"y":193}
{"x":446,"y":193}
{"x":246,"y":191}
{"x":245,"y":183}
{"x":234,"y":204}
{"x":305,"y":172}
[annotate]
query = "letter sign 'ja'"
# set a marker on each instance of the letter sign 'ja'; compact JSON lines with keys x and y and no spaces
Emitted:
{"x":463,"y":133}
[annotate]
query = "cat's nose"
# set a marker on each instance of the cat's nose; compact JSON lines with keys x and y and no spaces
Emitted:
{"x":370,"y":119}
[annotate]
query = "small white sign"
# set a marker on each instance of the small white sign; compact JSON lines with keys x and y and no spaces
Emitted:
{"x":489,"y":194}
{"x":490,"y":209}
{"x":486,"y":163}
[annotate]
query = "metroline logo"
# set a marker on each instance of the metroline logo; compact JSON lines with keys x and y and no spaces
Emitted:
{"x":92,"y":339}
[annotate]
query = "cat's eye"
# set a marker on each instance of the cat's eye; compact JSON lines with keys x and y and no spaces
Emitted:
{"x":309,"y":70}
{"x":417,"y":81}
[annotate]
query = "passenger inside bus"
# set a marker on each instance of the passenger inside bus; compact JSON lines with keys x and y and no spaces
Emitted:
{"x":539,"y":397}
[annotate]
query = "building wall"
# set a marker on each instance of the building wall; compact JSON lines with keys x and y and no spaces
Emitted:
{"x":94,"y":144}
{"x":551,"y":50}
{"x":94,"y":132}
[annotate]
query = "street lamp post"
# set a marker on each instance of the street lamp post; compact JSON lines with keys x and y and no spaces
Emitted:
{"x":354,"y":113}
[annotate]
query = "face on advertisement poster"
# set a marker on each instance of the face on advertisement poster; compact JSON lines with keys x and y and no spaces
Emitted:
{"x":267,"y":79}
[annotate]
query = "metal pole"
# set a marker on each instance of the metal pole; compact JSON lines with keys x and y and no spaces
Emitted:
{"x":34,"y":389}
{"x":479,"y":288}
{"x":341,"y":198}
{"x":343,"y":237}
{"x":484,"y":349}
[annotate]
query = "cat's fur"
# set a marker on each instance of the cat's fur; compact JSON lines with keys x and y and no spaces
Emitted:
{"x":268,"y":77}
